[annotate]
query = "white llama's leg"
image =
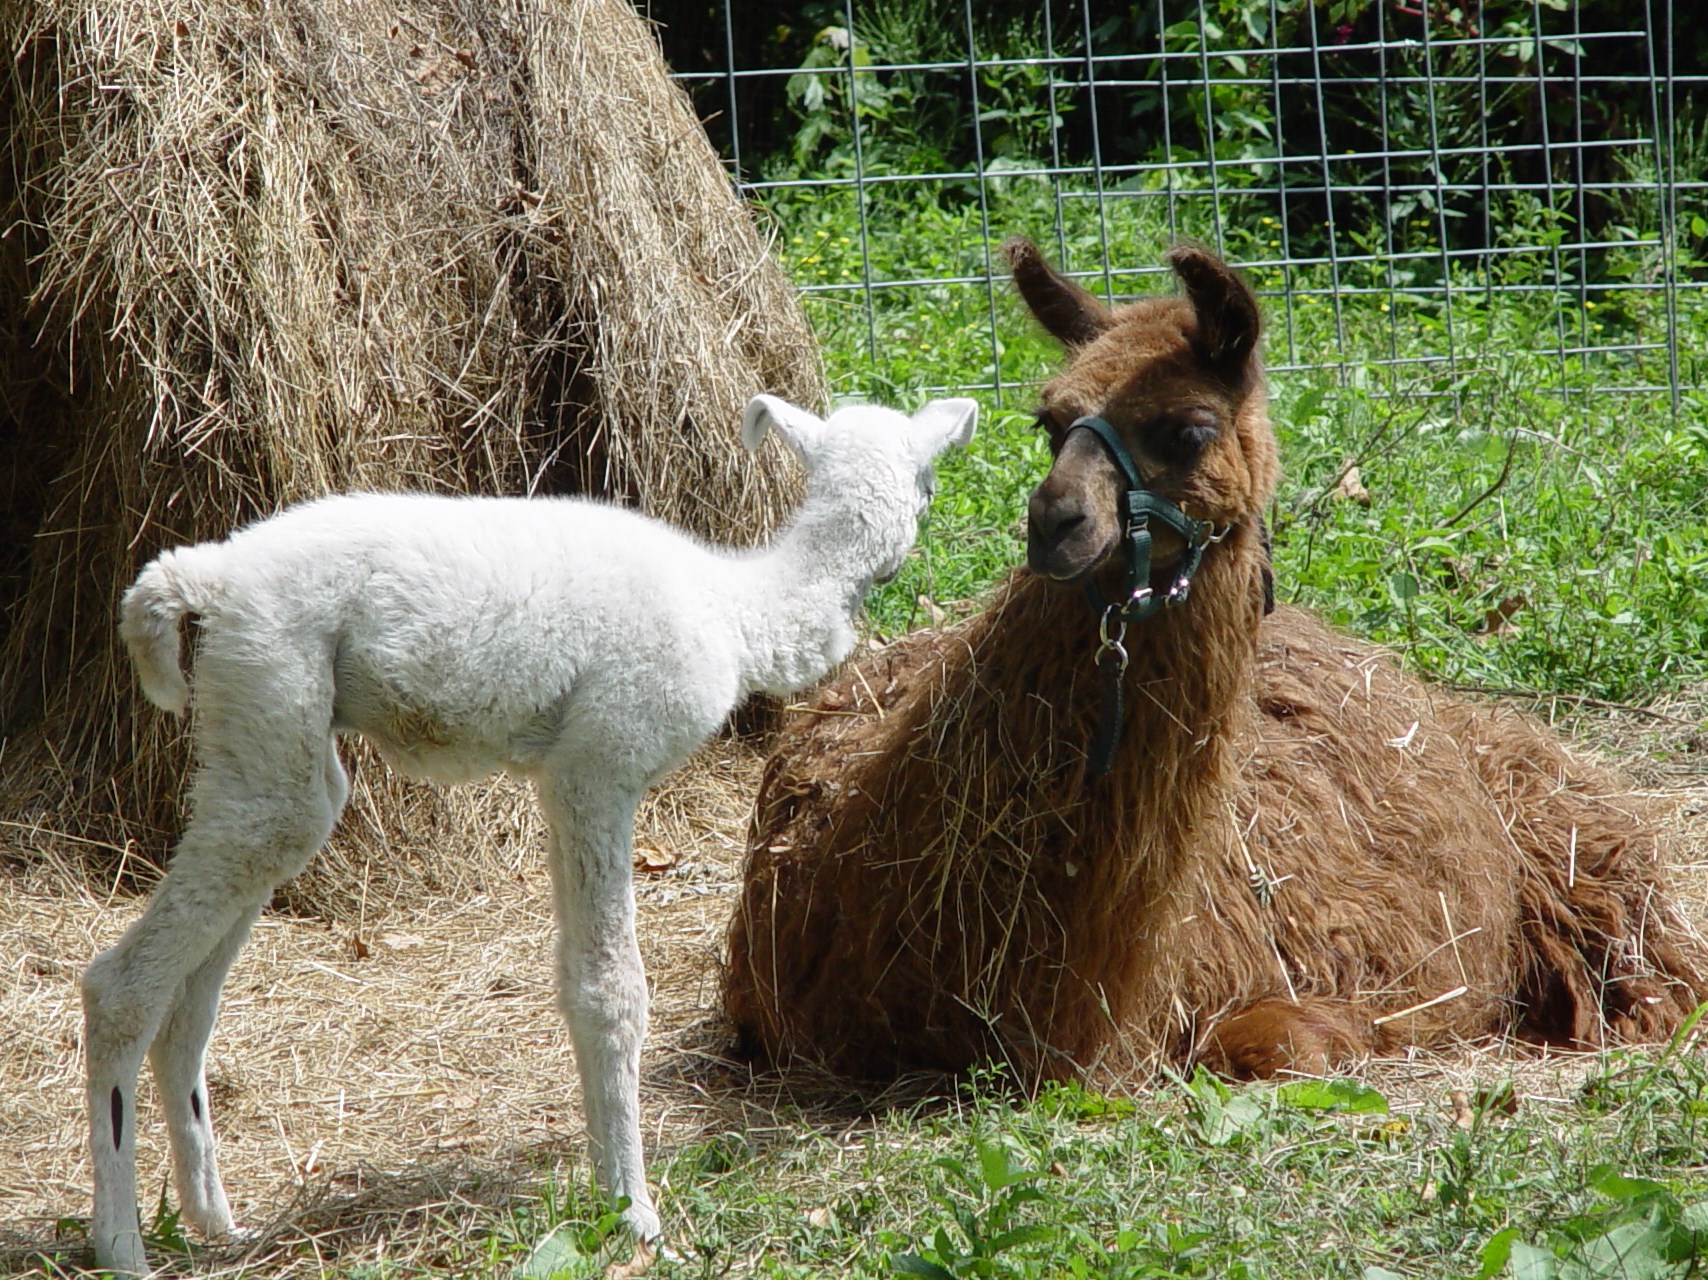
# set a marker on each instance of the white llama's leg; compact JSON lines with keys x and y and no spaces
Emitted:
{"x":178,"y":1057}
{"x":601,"y":985}
{"x":164,"y":975}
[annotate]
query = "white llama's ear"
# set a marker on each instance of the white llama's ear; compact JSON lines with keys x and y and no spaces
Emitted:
{"x":797,"y":427}
{"x":943,"y":424}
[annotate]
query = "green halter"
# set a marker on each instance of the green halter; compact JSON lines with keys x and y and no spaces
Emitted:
{"x":1138,"y":507}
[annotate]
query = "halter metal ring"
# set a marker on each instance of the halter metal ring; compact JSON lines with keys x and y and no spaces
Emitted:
{"x":1111,"y":630}
{"x":1120,"y":629}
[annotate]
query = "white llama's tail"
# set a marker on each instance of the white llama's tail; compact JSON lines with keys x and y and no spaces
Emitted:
{"x":176,"y":583}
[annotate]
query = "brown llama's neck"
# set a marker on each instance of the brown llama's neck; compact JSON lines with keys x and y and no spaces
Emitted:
{"x":1095,"y":861}
{"x":1187,"y":681}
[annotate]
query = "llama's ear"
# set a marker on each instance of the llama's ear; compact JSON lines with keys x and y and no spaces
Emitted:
{"x":944,"y":424}
{"x":1228,"y":317}
{"x":764,"y":413}
{"x":1069,"y":313}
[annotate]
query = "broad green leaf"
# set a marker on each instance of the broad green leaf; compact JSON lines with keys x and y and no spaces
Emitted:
{"x":1227,"y":1121}
{"x":995,"y":1164}
{"x":1030,"y":1233}
{"x":1616,"y":1186}
{"x":1530,"y":1263}
{"x":911,"y":1264}
{"x":1333,"y":1095}
{"x":1633,"y":1251}
{"x":1496,"y":1252}
{"x":558,"y":1252}
{"x":940,"y":1241}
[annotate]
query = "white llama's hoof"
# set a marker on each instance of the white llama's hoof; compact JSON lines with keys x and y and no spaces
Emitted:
{"x":234,"y":1236}
{"x":123,"y":1254}
{"x":642,"y":1221}
{"x":645,"y":1255}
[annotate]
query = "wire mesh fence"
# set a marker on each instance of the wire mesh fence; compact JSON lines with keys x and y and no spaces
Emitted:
{"x":1394,"y":183}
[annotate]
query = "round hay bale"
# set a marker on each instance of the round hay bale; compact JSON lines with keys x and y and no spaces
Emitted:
{"x":255,"y":252}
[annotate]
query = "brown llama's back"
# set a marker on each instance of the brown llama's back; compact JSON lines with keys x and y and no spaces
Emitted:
{"x":1388,"y":866}
{"x":1606,"y":954}
{"x":1439,"y":844}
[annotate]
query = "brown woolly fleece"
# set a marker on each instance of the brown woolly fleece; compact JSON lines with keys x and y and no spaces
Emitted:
{"x":1301,"y":855}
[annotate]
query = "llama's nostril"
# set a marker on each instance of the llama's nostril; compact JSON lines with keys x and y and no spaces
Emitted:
{"x":1050,"y":526}
{"x":1051,"y":517}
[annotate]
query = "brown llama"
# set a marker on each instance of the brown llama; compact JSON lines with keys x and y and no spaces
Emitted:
{"x":1298,"y":854}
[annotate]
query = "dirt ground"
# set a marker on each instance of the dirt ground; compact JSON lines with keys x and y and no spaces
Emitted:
{"x":404,"y":1069}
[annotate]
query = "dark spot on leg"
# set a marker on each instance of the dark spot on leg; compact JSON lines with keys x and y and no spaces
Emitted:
{"x":195,"y":1104}
{"x":118,"y":1117}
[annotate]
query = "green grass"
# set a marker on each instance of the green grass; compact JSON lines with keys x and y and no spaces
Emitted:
{"x":1313,"y":1179}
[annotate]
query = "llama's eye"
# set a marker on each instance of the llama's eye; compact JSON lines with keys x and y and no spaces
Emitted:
{"x":927,"y":490}
{"x":1179,"y":438}
{"x":1053,"y":429}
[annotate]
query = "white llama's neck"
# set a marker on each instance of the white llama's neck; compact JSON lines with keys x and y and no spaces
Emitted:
{"x":800,"y":598}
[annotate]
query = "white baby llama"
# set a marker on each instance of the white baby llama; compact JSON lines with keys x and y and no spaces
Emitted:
{"x":580,"y":645}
